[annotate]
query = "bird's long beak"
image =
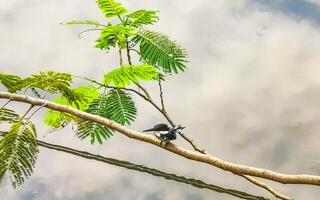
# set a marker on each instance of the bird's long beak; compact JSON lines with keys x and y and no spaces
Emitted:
{"x":148,"y":130}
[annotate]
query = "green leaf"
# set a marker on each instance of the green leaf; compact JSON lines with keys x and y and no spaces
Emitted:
{"x":95,"y":131}
{"x":123,"y":76}
{"x":142,"y":17}
{"x":111,"y":8}
{"x":121,"y":107}
{"x":117,"y":106}
{"x":158,"y":50}
{"x":82,"y":22}
{"x":7,"y":115}
{"x":9,"y":81}
{"x":57,"y":119}
{"x":18,"y":152}
{"x":50,"y":81}
{"x":85,"y":94}
{"x":53,"y":82}
{"x":114,"y":35}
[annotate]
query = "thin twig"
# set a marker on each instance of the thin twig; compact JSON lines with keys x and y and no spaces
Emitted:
{"x":31,"y":106}
{"x":145,"y":91}
{"x":6,"y":103}
{"x":120,"y":56}
{"x":45,"y":93}
{"x":128,"y":52}
{"x":161,"y":94}
{"x":113,"y":87}
{"x":131,"y":49}
{"x":265,"y":186}
{"x":87,"y":30}
{"x":25,"y":91}
{"x":34,"y":112}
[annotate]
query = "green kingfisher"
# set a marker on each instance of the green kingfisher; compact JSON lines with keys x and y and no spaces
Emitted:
{"x":165,"y":133}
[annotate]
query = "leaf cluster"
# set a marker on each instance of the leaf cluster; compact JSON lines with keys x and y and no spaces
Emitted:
{"x":111,"y":36}
{"x":142,"y":17}
{"x":18,"y":148}
{"x":86,"y":95}
{"x":158,"y":50}
{"x":116,"y":105}
{"x":155,"y":48}
{"x":125,"y":75}
{"x":111,"y":8}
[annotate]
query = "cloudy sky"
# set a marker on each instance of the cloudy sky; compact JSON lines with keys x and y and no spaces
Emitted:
{"x":251,"y":95}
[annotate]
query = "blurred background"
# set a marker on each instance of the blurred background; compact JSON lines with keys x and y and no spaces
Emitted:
{"x":251,"y":95}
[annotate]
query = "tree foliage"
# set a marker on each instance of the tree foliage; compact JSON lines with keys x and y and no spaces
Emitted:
{"x":158,"y":50}
{"x":86,"y":95}
{"x":111,"y":36}
{"x":158,"y":56}
{"x":125,"y":75}
{"x":18,"y":152}
{"x":94,"y":130}
{"x":9,"y":81}
{"x":155,"y":48}
{"x":115,"y":105}
{"x":111,"y":8}
{"x":8,"y":116}
{"x":121,"y":107}
{"x":142,"y":17}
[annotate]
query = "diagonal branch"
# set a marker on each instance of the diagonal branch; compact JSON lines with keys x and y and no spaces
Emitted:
{"x":151,"y":171}
{"x":196,"y":156}
{"x":265,"y":186}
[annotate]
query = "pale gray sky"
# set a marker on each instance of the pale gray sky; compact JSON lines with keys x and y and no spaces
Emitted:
{"x":251,"y":94}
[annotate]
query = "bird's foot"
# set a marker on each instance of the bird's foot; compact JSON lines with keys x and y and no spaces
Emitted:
{"x":166,"y":143}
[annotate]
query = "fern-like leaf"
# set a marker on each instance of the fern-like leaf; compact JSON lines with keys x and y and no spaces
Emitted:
{"x":94,"y":130}
{"x":111,"y":8}
{"x":7,"y":115}
{"x":86,"y":95}
{"x":50,"y":81}
{"x":123,"y":76}
{"x":18,"y":152}
{"x":142,"y":17}
{"x":114,"y":35}
{"x":53,"y":82}
{"x":9,"y":81}
{"x":158,"y":50}
{"x":121,"y":107}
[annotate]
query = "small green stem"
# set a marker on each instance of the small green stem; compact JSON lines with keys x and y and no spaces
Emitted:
{"x":120,"y":56}
{"x":128,"y":52}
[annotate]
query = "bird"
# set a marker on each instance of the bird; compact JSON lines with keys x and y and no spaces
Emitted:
{"x":165,"y":133}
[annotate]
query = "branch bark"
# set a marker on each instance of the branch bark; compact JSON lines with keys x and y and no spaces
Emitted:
{"x":265,"y":186}
{"x":196,"y":156}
